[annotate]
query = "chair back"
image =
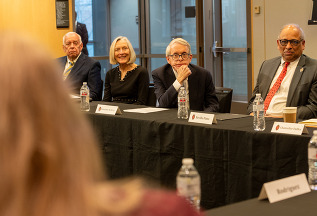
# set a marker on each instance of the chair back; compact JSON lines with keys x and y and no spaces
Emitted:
{"x":151,"y":99}
{"x":224,"y":96}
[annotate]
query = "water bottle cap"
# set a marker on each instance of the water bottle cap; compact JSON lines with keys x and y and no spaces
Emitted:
{"x":85,"y":83}
{"x":258,"y":94}
{"x":315,"y":132}
{"x":188,"y":161}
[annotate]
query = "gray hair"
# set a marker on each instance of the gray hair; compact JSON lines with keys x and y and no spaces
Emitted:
{"x":301,"y":32}
{"x":69,"y":33}
{"x":179,"y":41}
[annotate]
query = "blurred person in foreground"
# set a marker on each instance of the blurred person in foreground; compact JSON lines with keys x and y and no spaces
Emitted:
{"x":49,"y":160}
{"x":180,"y":72}
{"x":289,"y":80}
{"x":79,"y":68}
{"x":128,"y":82}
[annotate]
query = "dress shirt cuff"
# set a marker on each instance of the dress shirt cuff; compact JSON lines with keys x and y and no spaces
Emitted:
{"x":177,"y":85}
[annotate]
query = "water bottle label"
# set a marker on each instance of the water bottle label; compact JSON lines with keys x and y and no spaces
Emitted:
{"x":188,"y":187}
{"x":83,"y":93}
{"x":312,"y":153}
{"x":181,"y":99}
{"x":259,"y":107}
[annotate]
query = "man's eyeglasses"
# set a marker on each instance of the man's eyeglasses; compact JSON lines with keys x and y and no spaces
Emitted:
{"x":284,"y":42}
{"x":176,"y":56}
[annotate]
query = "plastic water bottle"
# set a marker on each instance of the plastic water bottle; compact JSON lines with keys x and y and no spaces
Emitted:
{"x":188,"y":182}
{"x":84,"y":97}
{"x":182,"y":104}
{"x":312,"y":162}
{"x":258,"y":111}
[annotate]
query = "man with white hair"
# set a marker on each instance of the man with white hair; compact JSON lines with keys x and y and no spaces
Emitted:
{"x":289,"y":80}
{"x":79,"y":68}
{"x":179,"y":72}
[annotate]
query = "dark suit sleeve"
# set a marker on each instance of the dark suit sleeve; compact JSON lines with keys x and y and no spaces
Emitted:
{"x":82,"y":31}
{"x":143,"y":86}
{"x":94,"y":82}
{"x":255,"y":91}
{"x":165,"y":96}
{"x":309,"y":110}
{"x":211,"y":103}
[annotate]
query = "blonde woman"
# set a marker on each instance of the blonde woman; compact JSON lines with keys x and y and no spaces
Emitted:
{"x":128,"y":82}
{"x":49,"y":161}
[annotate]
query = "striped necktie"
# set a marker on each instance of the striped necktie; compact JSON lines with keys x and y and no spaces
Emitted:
{"x":275,"y":87}
{"x":68,"y":70}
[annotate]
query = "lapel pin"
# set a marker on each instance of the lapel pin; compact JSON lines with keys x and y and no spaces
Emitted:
{"x":302,"y":69}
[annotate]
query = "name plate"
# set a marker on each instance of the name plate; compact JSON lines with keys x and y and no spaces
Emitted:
{"x":284,"y":188}
{"x":202,"y":118}
{"x":289,"y":128}
{"x":107,"y":109}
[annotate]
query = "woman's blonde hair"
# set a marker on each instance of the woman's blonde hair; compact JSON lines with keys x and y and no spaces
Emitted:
{"x":49,"y":160}
{"x":112,"y":48}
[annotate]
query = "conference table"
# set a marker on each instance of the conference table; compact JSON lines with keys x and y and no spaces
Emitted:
{"x":304,"y":204}
{"x":232,"y":159}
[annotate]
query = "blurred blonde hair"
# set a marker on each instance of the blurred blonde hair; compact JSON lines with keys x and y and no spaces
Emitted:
{"x":112,"y":48}
{"x":49,"y":160}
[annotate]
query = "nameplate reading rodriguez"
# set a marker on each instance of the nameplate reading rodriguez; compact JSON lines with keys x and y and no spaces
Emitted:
{"x":284,"y":188}
{"x":289,"y":128}
{"x":107,"y":109}
{"x":202,"y":118}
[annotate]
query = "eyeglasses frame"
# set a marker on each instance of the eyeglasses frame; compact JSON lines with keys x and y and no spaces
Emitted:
{"x":290,"y":41}
{"x":180,"y":55}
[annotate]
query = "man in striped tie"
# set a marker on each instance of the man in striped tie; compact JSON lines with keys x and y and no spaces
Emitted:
{"x":79,"y":68}
{"x":289,"y":80}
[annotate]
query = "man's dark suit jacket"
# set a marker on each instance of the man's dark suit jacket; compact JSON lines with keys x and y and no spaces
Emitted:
{"x":202,"y":94}
{"x":302,"y":91}
{"x":82,"y":31}
{"x":86,"y":69}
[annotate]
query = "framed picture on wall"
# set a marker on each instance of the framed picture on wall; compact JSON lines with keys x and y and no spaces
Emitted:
{"x":62,"y":13}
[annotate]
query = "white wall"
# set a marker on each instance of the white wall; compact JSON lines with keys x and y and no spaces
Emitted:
{"x":266,"y":26}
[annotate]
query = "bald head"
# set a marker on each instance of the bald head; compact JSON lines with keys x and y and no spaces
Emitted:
{"x":291,"y":42}
{"x":294,"y":27}
{"x":71,"y":34}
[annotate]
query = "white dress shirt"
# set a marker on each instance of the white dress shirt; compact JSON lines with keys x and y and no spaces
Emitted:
{"x":68,"y":62}
{"x":278,"y":101}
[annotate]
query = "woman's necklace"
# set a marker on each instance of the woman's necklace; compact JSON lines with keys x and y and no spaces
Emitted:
{"x":124,"y":71}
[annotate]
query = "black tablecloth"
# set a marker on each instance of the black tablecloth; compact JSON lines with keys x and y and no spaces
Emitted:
{"x":300,"y":205}
{"x":233,"y":160}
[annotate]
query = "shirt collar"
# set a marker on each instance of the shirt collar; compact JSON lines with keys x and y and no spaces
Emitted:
{"x":69,"y":61}
{"x":291,"y":63}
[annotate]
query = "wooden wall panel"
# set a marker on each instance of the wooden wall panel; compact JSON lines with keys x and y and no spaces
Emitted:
{"x":36,"y":18}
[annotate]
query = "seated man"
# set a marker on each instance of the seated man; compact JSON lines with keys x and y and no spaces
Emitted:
{"x":80,"y":68}
{"x":179,"y":72}
{"x":289,"y":80}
